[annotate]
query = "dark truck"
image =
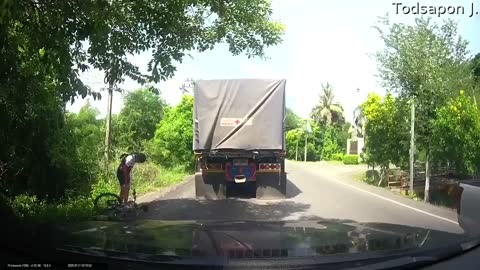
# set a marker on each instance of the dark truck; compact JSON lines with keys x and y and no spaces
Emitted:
{"x":239,"y":137}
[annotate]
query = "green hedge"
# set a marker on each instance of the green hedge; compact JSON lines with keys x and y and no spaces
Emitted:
{"x":350,"y":159}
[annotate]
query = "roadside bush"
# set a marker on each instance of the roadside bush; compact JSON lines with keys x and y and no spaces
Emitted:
{"x":337,"y":157}
{"x":172,"y":143}
{"x":29,"y":207}
{"x":456,"y":135}
{"x":147,"y":177}
{"x":169,"y":176}
{"x":350,"y":159}
{"x":330,"y":146}
{"x":105,"y":184}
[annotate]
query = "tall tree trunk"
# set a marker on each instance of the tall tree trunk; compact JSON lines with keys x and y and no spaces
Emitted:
{"x":427,"y":178}
{"x":108,"y":124}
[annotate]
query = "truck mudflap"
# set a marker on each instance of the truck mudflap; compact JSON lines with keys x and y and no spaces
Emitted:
{"x":271,"y":185}
{"x":211,"y":186}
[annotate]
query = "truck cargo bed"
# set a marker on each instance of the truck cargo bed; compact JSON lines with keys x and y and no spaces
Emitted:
{"x":246,"y":114}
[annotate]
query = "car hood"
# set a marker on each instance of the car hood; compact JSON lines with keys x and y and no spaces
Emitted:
{"x":246,"y":239}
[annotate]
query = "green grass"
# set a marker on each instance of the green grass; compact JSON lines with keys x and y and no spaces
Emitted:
{"x":416,"y":196}
{"x":335,"y":162}
{"x":370,"y":177}
{"x":361,"y":176}
{"x":150,"y":177}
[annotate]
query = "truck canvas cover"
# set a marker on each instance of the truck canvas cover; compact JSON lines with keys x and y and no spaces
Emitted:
{"x":243,"y":114}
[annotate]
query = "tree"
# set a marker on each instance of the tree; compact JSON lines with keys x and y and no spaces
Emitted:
{"x":46,"y":44}
{"x":476,"y":68}
{"x":330,"y":145}
{"x":327,"y":111}
{"x":75,"y":150}
{"x":386,"y":131}
{"x":342,"y":135}
{"x":424,"y":63}
{"x":456,"y":135}
{"x":358,"y":122}
{"x":475,"y":65}
{"x":296,"y":143}
{"x":292,"y":121}
{"x":115,"y":29}
{"x":172,"y":144}
{"x":136,"y":123}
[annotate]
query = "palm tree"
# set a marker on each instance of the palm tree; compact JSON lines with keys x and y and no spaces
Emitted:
{"x":327,"y":111}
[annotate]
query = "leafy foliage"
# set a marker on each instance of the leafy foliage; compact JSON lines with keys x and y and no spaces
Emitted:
{"x":476,"y":68}
{"x":456,"y":135}
{"x":45,"y":45}
{"x":330,"y":146}
{"x":136,"y":123}
{"x":172,"y":144}
{"x":30,"y":208}
{"x":314,"y":143}
{"x":386,"y":130}
{"x":292,"y":121}
{"x":327,"y":111}
{"x":116,"y":29}
{"x":424,"y":62}
{"x":350,"y":159}
{"x":77,"y":149}
{"x":338,"y":157}
{"x":342,"y":134}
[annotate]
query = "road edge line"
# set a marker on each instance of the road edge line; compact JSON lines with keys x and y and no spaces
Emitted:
{"x":395,"y":202}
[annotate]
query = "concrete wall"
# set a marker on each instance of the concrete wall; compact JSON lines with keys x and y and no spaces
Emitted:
{"x":360,"y":145}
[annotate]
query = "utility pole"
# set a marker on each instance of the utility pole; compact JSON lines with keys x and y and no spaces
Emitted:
{"x":427,"y":179}
{"x":305,"y":147}
{"x":108,"y":124}
{"x":308,"y":130}
{"x":296,"y":150}
{"x":412,"y":144}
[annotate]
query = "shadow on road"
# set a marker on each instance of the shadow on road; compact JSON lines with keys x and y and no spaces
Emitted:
{"x":248,"y":191}
{"x":230,"y":209}
{"x":292,"y":190}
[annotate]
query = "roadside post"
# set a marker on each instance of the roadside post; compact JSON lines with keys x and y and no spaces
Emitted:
{"x":308,"y":130}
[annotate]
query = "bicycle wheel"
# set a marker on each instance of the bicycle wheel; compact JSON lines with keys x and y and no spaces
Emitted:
{"x":107,"y":201}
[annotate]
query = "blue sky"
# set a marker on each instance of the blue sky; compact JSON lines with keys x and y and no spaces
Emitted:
{"x":325,"y":41}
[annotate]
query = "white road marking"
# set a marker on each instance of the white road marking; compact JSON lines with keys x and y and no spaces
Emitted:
{"x":395,"y":202}
{"x":392,"y":201}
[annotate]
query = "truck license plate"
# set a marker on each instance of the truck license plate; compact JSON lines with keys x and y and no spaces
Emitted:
{"x":240,"y":162}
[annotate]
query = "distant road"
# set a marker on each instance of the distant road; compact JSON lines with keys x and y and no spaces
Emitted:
{"x":314,"y":191}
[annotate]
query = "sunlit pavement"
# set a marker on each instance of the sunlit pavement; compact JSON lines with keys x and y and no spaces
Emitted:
{"x":314,"y":191}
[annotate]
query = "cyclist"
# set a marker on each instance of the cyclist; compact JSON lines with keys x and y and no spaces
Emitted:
{"x":124,"y":175}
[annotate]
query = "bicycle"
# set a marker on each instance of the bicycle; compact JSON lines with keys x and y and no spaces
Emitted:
{"x":111,"y":205}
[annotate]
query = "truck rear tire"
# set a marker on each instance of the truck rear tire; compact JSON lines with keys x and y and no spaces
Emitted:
{"x":211,"y":188}
{"x":271,"y":186}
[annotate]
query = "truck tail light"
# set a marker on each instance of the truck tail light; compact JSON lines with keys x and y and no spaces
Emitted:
{"x":212,"y":167}
{"x":269,"y":167}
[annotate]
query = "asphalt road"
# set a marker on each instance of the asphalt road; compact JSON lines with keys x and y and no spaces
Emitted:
{"x":314,"y":191}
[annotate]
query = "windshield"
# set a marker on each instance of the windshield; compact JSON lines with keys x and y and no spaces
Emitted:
{"x":241,"y":129}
